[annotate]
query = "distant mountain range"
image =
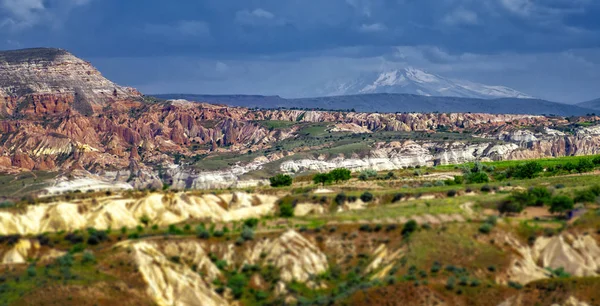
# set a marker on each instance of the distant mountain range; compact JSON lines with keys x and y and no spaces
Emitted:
{"x":406,"y":90}
{"x":395,"y":103}
{"x":593,"y":104}
{"x":417,"y":82}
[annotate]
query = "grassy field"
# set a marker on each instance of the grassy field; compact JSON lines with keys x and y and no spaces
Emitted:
{"x":545,"y":162}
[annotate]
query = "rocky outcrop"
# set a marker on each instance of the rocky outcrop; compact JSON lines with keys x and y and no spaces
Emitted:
{"x":47,"y":81}
{"x":296,"y":257}
{"x":578,"y":255}
{"x":160,"y":209}
{"x":171,"y":283}
{"x":175,"y":283}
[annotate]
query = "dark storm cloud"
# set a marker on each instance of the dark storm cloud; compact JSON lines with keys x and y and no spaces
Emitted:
{"x":238,"y":28}
{"x":280,"y":46}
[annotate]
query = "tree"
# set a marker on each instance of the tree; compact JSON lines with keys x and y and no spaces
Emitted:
{"x":527,"y":171}
{"x":540,"y":196}
{"x":510,"y":205}
{"x":281,"y":180}
{"x":340,"y":174}
{"x":322,"y":178}
{"x":585,"y":165}
{"x":561,"y":204}
{"x":477,"y":178}
{"x":409,"y":228}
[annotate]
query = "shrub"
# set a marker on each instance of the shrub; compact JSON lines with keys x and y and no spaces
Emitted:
{"x":585,"y":165}
{"x":409,"y":228}
{"x":88,"y":257}
{"x":366,"y":197}
{"x":477,"y":178}
{"x":340,"y":199}
{"x":439,"y":183}
{"x":486,"y":188}
{"x":436,"y":267}
{"x":397,"y":197}
{"x":7,"y":204}
{"x":459,"y":180}
{"x":247,"y":233}
{"x":365,"y":228}
{"x":391,"y":227}
{"x":237,"y":283}
{"x":450,"y":283}
{"x":286,"y":210}
{"x":218,"y":234}
{"x":540,"y":196}
{"x":203,"y":233}
{"x":485,"y":228}
{"x":585,"y":196}
{"x":31,"y":272}
{"x":251,"y":222}
{"x":221,"y":264}
{"x":281,"y":180}
{"x":561,"y":204}
{"x":145,"y":220}
{"x":510,"y":205}
{"x":451,"y":193}
{"x":515,"y":285}
{"x":558,"y":273}
{"x":492,"y":220}
{"x":174,"y":230}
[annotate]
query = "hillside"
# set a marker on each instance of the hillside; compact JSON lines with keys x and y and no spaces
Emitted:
{"x":52,"y":80}
{"x":593,"y":104}
{"x":391,"y":103}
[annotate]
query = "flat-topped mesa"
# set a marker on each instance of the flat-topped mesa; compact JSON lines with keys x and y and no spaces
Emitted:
{"x":45,"y":81}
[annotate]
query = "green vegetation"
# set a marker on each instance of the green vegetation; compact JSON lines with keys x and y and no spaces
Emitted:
{"x":281,"y":180}
{"x":335,"y":175}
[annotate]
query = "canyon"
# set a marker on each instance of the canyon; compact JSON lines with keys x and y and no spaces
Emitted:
{"x":73,"y":119}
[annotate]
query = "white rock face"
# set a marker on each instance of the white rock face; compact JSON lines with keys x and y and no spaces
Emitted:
{"x":172,"y":283}
{"x":578,"y":256}
{"x":218,"y":179}
{"x":84,"y":185}
{"x":408,"y":154}
{"x":295,"y":256}
{"x":175,"y":284}
{"x":116,"y":213}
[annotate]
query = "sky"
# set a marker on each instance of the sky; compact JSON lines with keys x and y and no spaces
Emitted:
{"x":545,"y":48}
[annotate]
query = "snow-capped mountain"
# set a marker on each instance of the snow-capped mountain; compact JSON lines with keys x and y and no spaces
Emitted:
{"x":419,"y":82}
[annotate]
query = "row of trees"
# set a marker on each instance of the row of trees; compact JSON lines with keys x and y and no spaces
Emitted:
{"x":542,"y":196}
{"x":335,"y":175}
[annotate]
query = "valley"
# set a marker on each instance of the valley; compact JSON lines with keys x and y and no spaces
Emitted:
{"x":111,"y":197}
